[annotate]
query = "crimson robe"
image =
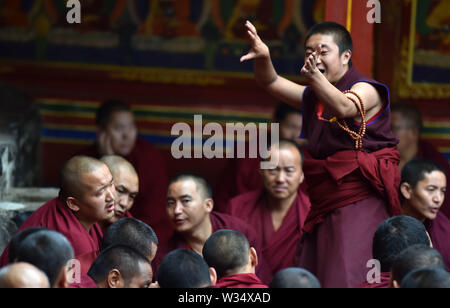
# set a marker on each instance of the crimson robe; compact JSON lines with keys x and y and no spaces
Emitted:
{"x":219,"y":221}
{"x":351,"y":191}
{"x":385,"y":279}
{"x":241,"y":281}
{"x":86,"y":283}
{"x":57,"y":216}
{"x":428,"y":151}
{"x":278,"y":247}
{"x":439,"y":230}
{"x":150,"y":203}
{"x":241,"y":175}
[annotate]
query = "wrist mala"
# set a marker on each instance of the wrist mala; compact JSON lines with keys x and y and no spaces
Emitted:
{"x":357,"y":136}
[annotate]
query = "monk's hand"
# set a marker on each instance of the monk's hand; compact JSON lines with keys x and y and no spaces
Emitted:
{"x":104,"y":144}
{"x":310,"y":69}
{"x":258,"y":49}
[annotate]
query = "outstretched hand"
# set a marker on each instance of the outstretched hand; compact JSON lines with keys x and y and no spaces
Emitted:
{"x":258,"y":49}
{"x":310,"y":67}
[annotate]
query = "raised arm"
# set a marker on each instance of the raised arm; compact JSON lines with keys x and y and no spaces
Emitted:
{"x":265,"y":74}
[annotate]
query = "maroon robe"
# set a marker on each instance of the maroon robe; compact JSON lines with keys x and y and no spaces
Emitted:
{"x":278,"y":247}
{"x":241,"y":175}
{"x":427,"y":150}
{"x":150,"y":203}
{"x":351,"y":191}
{"x":385,"y":279}
{"x":219,"y":221}
{"x":57,"y":216}
{"x":439,"y":230}
{"x":241,"y":281}
{"x":86,"y":283}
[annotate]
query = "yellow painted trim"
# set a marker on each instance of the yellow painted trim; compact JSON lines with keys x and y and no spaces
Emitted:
{"x":349,"y":15}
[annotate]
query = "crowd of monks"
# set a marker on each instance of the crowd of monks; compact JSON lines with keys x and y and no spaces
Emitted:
{"x":358,"y":185}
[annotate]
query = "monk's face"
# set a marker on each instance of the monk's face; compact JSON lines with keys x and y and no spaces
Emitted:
{"x":127,"y":188}
{"x":283,"y":181}
{"x":122,"y":132}
{"x":142,"y":279}
{"x":291,"y":127}
{"x":331,"y":63}
{"x":406,"y":134}
{"x":96,"y":202}
{"x":425,"y":200}
{"x":186,"y":208}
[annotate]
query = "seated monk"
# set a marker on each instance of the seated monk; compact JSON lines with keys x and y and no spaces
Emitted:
{"x":126,"y":182}
{"x":50,"y":252}
{"x":431,"y":277}
{"x":189,"y":208}
{"x":23,"y":275}
{"x":86,"y":197}
{"x":277,"y":212}
{"x":120,"y":266}
{"x":185,"y":269}
{"x":294,"y":278}
{"x":392,"y":237}
{"x":117,"y":134}
{"x":130,"y":232}
{"x":234,"y":261}
{"x":242,"y":175}
{"x":422,"y":190}
{"x":407,"y":124}
{"x":414,"y":257}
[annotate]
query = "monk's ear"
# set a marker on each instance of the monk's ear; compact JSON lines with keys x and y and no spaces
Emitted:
{"x":406,"y":190}
{"x":213,"y":276}
{"x":209,"y":204}
{"x":63,"y":278}
{"x":253,"y":255}
{"x":346,"y":56}
{"x":115,"y":280}
{"x":302,"y":176}
{"x":72,"y":203}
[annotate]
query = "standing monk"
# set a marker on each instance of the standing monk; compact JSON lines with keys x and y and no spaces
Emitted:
{"x":117,"y":134}
{"x":352,"y":175}
{"x":86,"y":197}
{"x":277,"y":212}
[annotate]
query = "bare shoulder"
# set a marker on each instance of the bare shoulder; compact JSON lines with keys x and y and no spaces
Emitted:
{"x":370,"y":97}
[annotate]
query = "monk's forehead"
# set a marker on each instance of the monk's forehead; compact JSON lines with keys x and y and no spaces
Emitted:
{"x":284,"y":150}
{"x":184,"y":187}
{"x":96,"y":177}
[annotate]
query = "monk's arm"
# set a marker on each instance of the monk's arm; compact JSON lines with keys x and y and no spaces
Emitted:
{"x":265,"y":74}
{"x":338,"y":103}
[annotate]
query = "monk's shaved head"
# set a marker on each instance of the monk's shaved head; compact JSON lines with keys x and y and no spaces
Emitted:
{"x":72,"y":175}
{"x":294,"y":278}
{"x":23,"y":275}
{"x":287,"y":144}
{"x":227,"y":251}
{"x":116,"y":163}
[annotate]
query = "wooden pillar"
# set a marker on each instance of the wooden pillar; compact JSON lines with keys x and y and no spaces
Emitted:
{"x":352,"y":14}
